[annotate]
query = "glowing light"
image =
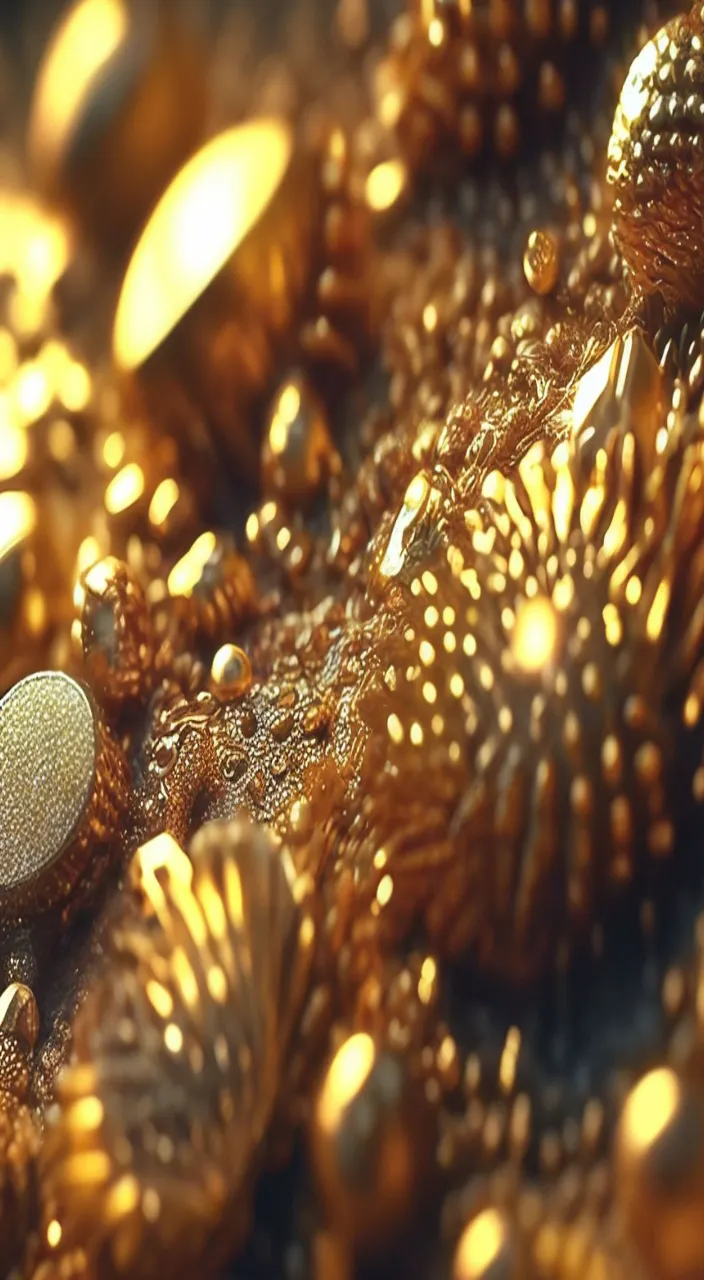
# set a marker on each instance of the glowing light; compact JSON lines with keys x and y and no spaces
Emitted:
{"x":165,"y":497}
{"x":395,"y":729}
{"x":480,"y":1246}
{"x":210,"y":207}
{"x":347,"y":1076}
{"x":14,"y":448}
{"x":385,"y":185}
{"x":114,"y":450}
{"x":84,"y":43}
{"x":650,"y":1108}
{"x":426,"y":982}
{"x":385,"y":891}
{"x":32,"y":393}
{"x":186,"y":574}
{"x":509,"y":1059}
{"x":535,"y":634}
{"x":87,"y":1113}
{"x":161,"y":855}
{"x":160,"y":999}
{"x":75,"y":388}
{"x":287,"y":410}
{"x":173,"y":1038}
{"x":54,"y":1233}
{"x":88,"y":554}
{"x":124,"y":489}
{"x":18,"y":520}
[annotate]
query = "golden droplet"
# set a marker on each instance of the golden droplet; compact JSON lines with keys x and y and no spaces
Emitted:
{"x":541,"y":261}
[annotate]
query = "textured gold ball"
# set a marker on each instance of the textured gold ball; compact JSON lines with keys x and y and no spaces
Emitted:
{"x":541,"y":262}
{"x":656,"y":165}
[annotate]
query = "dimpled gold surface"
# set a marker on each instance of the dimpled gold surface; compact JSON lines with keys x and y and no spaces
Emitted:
{"x":47,"y":746}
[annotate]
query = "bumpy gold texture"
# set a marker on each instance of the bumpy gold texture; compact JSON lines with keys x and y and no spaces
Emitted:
{"x":429,"y":728}
{"x":655,"y":164}
{"x":113,"y":633}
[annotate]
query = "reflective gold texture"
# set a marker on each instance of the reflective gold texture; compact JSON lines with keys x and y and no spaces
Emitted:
{"x":298,"y":453}
{"x":212,"y":588}
{"x":660,"y":1172}
{"x":113,"y":633}
{"x":370,"y":1143}
{"x":623,"y":390}
{"x":177,"y":1058}
{"x":528,"y":720}
{"x":62,"y":817}
{"x":655,"y":165}
{"x":217,"y":278}
{"x":119,"y":103}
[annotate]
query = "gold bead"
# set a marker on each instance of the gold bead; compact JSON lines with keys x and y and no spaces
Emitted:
{"x":541,"y":262}
{"x":231,"y":672}
{"x":113,"y":633}
{"x":66,"y":789}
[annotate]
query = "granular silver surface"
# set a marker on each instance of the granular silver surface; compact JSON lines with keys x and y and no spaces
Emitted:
{"x":48,"y":748}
